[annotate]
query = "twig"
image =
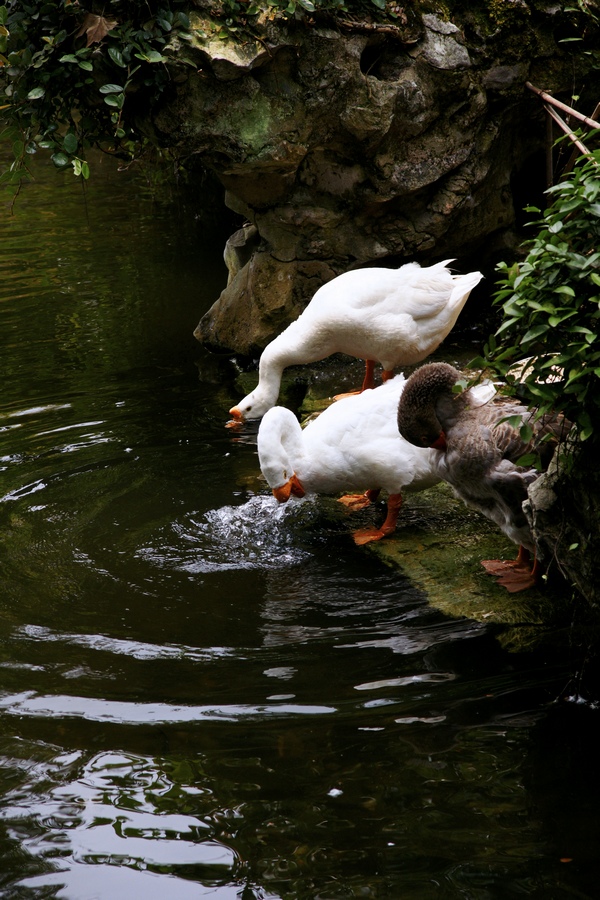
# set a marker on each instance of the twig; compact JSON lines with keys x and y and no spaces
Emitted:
{"x":591,"y":123}
{"x":374,"y":28}
{"x":570,"y":134}
{"x":573,"y":157}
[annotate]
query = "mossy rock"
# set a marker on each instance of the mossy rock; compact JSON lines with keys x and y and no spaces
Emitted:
{"x":439,"y":542}
{"x":439,"y":545}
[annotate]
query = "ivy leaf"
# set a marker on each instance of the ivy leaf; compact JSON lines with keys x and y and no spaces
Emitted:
{"x":526,"y":433}
{"x":117,"y":57}
{"x":69,"y":143}
{"x":527,"y":461}
{"x":60,"y":160}
{"x":96,"y":28}
{"x":151,"y":56}
{"x":115,"y":100}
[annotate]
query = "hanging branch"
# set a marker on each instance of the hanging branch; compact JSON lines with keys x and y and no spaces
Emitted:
{"x":568,"y":131}
{"x":591,"y":123}
{"x":552,"y":116}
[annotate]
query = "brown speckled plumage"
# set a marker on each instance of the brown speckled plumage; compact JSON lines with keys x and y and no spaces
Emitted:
{"x":480,"y":459}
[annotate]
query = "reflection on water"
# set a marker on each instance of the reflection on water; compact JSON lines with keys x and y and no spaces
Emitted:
{"x":206,"y":694}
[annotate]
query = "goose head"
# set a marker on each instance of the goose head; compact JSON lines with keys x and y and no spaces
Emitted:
{"x":253,"y":406}
{"x":426,"y":394}
{"x":279,"y":447}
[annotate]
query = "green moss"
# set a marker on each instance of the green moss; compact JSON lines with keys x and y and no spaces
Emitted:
{"x":439,"y":544}
{"x":505,"y":12}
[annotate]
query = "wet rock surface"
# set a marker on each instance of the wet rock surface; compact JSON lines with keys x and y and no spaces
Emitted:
{"x":345,"y":147}
{"x":439,"y":542}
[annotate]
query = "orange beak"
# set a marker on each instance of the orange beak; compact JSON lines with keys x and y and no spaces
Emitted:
{"x":297,"y":489}
{"x":237,"y":418}
{"x":292,"y":486}
{"x":282,"y":494}
{"x":440,"y":442}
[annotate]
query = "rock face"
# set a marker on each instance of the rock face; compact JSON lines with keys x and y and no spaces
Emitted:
{"x":564,"y":510}
{"x":347,"y":146}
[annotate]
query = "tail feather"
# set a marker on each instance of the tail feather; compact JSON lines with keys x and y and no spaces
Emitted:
{"x":463,"y":287}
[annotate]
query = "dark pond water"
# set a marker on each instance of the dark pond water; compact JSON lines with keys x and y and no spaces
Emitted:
{"x":201,"y":694}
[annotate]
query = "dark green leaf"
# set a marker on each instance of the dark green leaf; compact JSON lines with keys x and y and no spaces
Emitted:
{"x":60,"y":160}
{"x":117,"y":57}
{"x":70,"y":143}
{"x":534,"y":333}
{"x":115,"y":100}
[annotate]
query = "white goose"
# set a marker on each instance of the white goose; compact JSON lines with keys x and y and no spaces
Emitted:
{"x":353,"y":445}
{"x":391,"y":316}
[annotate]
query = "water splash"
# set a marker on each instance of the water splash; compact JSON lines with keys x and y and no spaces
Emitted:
{"x":259,"y":534}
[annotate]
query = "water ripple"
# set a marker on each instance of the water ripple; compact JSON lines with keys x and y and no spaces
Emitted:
{"x":28,"y":703}
{"x":134,"y":649}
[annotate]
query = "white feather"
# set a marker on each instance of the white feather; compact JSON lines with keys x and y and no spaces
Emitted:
{"x":391,"y":316}
{"x":353,"y":445}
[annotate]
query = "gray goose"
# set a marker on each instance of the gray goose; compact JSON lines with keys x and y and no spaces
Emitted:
{"x":479,"y":454}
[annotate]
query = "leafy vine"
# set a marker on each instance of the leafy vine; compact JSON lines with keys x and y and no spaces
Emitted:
{"x":551,"y":306}
{"x":72,"y":78}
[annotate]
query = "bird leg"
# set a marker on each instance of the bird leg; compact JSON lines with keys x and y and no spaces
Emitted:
{"x":368,"y":381}
{"x":358,"y":501}
{"x":514,"y":574}
{"x":386,"y":375}
{"x":376,"y":534}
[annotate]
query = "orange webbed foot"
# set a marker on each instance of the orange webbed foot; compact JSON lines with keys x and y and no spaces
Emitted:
{"x":498,"y":566}
{"x":347,"y":394}
{"x":513,"y":574}
{"x":376,"y":534}
{"x":516,"y":580}
{"x":368,"y":535}
{"x":354,"y":501}
{"x":359,"y":501}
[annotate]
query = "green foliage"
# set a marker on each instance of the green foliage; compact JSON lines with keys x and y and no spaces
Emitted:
{"x":71,"y":78}
{"x":289,"y":8}
{"x":551,"y":306}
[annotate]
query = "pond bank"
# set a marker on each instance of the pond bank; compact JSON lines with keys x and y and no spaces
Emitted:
{"x":439,"y":542}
